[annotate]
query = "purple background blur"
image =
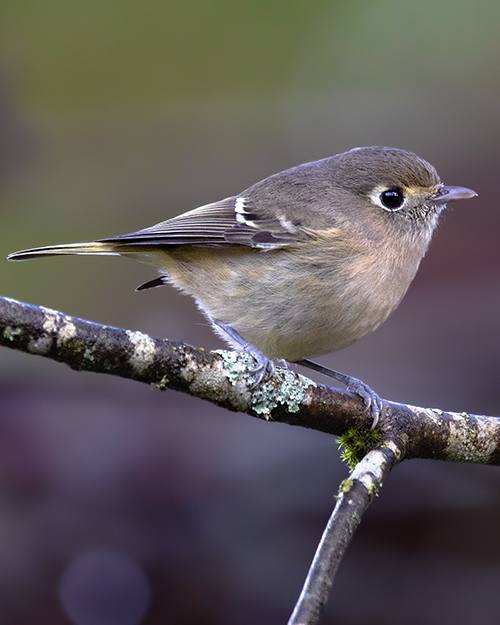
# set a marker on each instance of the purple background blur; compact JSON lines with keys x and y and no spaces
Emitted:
{"x":115,"y":115}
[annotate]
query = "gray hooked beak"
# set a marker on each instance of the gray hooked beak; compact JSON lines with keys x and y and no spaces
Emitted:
{"x":446,"y":194}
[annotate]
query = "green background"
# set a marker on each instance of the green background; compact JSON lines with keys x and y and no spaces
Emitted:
{"x":115,"y":115}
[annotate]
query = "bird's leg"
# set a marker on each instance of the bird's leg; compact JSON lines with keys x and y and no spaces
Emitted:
{"x":264,"y":368}
{"x":372,"y":401}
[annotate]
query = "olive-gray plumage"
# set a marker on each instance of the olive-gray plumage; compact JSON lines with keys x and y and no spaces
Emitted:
{"x":304,"y":262}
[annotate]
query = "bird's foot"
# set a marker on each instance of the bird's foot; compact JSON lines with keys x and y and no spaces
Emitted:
{"x":373,"y":403}
{"x":264,"y":367}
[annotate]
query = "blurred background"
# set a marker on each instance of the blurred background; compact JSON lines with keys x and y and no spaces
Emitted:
{"x":121,"y":505}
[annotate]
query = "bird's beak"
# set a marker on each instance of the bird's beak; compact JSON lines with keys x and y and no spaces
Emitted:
{"x":446,"y":194}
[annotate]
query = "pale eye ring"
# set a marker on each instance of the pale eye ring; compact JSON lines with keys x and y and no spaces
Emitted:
{"x":392,"y":199}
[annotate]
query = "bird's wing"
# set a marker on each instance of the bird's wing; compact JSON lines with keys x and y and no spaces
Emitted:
{"x":233,"y":221}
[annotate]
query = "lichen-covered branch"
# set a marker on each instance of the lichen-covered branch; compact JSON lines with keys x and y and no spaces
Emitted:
{"x":354,"y":497}
{"x":225,"y":379}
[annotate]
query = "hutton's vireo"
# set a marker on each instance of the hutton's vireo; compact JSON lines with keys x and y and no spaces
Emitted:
{"x":302,"y":263}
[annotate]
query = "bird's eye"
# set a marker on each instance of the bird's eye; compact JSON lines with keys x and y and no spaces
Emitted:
{"x":392,"y":199}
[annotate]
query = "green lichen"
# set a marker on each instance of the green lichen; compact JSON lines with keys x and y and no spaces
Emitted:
{"x":10,"y":333}
{"x":355,"y":444}
{"x":88,"y":355}
{"x":284,"y":388}
{"x":237,"y":365}
{"x":345,"y":486}
{"x":162,"y":385}
{"x":76,"y":353}
{"x":373,"y":490}
{"x":74,"y":347}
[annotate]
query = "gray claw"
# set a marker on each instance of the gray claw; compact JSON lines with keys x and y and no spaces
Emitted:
{"x":263,"y":369}
{"x":371,"y":400}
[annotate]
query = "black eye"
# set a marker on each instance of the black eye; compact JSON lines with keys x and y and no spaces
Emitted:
{"x":392,"y":198}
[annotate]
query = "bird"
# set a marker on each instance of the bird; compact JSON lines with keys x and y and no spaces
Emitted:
{"x":302,"y":263}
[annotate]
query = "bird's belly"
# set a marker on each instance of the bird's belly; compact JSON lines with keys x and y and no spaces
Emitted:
{"x":307,"y":329}
{"x":286,"y":306}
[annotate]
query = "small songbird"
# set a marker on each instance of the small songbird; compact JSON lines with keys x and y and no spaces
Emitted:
{"x":302,"y":263}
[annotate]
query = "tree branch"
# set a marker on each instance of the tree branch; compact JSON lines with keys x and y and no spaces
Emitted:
{"x":354,"y":496}
{"x":225,"y":379}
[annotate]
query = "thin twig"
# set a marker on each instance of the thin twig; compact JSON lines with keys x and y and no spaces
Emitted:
{"x":354,"y":497}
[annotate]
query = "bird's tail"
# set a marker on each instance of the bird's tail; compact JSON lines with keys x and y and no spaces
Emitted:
{"x":92,"y":248}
